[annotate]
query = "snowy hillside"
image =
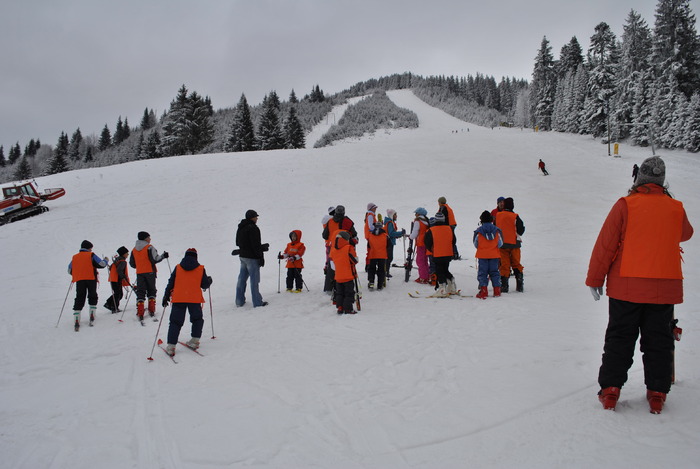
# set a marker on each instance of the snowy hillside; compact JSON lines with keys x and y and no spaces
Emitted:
{"x":407,"y":383}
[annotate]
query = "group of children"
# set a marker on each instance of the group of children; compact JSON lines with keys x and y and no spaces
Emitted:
{"x":184,"y":288}
{"x":497,"y":250}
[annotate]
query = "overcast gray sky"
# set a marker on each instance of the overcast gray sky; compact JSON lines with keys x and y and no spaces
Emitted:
{"x":66,"y":64}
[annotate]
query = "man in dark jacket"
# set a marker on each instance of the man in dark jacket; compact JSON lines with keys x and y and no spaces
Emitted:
{"x":251,"y":254}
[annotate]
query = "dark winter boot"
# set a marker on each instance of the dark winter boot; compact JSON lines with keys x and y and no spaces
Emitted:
{"x":483,"y":293}
{"x":608,"y":397}
{"x":518,"y":280}
{"x":504,"y":284}
{"x":656,"y":401}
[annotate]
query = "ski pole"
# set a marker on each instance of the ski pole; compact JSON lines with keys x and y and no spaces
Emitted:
{"x":171,"y":270}
{"x":64,"y":302}
{"x":307,"y":287}
{"x":157,"y":332}
{"x":128,"y":295}
{"x":211,"y":312}
{"x":279,"y":270}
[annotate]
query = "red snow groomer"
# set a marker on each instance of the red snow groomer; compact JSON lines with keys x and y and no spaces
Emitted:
{"x":23,"y":200}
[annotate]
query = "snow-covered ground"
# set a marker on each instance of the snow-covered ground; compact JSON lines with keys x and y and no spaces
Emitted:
{"x":407,"y":383}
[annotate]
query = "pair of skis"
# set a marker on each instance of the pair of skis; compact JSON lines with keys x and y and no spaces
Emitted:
{"x":172,"y":357}
{"x":458,"y":294}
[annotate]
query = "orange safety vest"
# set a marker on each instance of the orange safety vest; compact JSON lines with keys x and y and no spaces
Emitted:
{"x":367,"y":228}
{"x":442,"y":241}
{"x":652,"y":238}
{"x":114,"y":275}
{"x":343,"y":265}
{"x":488,"y":248}
{"x":506,"y":222}
{"x":294,"y":249}
{"x":377,"y":246}
{"x":188,"y":285}
{"x":450,"y":218}
{"x":82,"y":268}
{"x":143,"y":261}
{"x":422,"y":229}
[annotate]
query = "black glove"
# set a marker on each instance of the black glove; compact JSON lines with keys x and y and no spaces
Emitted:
{"x":265,"y":247}
{"x":262,"y":262}
{"x":210,"y":280}
{"x":235,"y":252}
{"x":166,"y":255}
{"x":280,"y":256}
{"x":165,"y":302}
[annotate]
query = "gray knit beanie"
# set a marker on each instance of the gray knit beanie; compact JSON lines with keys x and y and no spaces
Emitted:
{"x":652,"y":170}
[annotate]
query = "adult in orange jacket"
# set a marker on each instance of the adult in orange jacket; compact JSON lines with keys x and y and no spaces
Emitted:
{"x":638,"y":252}
{"x":184,"y":289}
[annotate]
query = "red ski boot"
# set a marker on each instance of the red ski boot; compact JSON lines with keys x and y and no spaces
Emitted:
{"x":496,"y":291}
{"x":483,"y":293}
{"x":608,"y":397}
{"x":140,"y":309}
{"x":656,"y":401}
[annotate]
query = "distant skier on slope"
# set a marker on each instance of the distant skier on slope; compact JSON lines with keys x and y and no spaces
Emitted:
{"x":542,"y":168}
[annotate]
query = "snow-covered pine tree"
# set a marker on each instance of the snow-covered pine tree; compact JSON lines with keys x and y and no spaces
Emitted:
{"x":187,"y":128}
{"x":58,"y":163}
{"x":23,"y":170}
{"x":692,"y":125}
{"x":543,"y":87}
{"x":75,"y":145}
{"x":3,"y":161}
{"x":676,"y":46}
{"x":242,"y":133}
{"x":14,"y":154}
{"x":269,"y":135}
{"x":635,"y":59}
{"x":293,"y":131}
{"x":603,"y":60}
{"x":105,"y":139}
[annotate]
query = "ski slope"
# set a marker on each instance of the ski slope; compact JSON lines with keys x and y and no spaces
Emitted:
{"x":406,"y":383}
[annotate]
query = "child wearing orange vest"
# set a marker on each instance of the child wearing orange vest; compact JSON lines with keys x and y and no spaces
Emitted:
{"x":185,"y":290}
{"x":118,"y":278}
{"x":293,"y":253}
{"x":418,"y":229}
{"x":344,"y":258}
{"x":512,"y":228}
{"x":144,"y":258}
{"x":440,"y":239}
{"x":377,"y":254}
{"x":487,"y":241}
{"x":83,"y":270}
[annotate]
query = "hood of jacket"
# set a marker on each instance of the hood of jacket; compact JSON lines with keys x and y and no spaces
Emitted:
{"x":488,"y":230}
{"x":298,"y":233}
{"x":189,"y":262}
{"x":140,"y":244}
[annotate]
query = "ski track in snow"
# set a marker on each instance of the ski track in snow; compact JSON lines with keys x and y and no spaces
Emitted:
{"x":435,"y":383}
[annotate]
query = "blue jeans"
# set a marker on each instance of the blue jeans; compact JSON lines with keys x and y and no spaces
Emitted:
{"x":249,"y":268}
